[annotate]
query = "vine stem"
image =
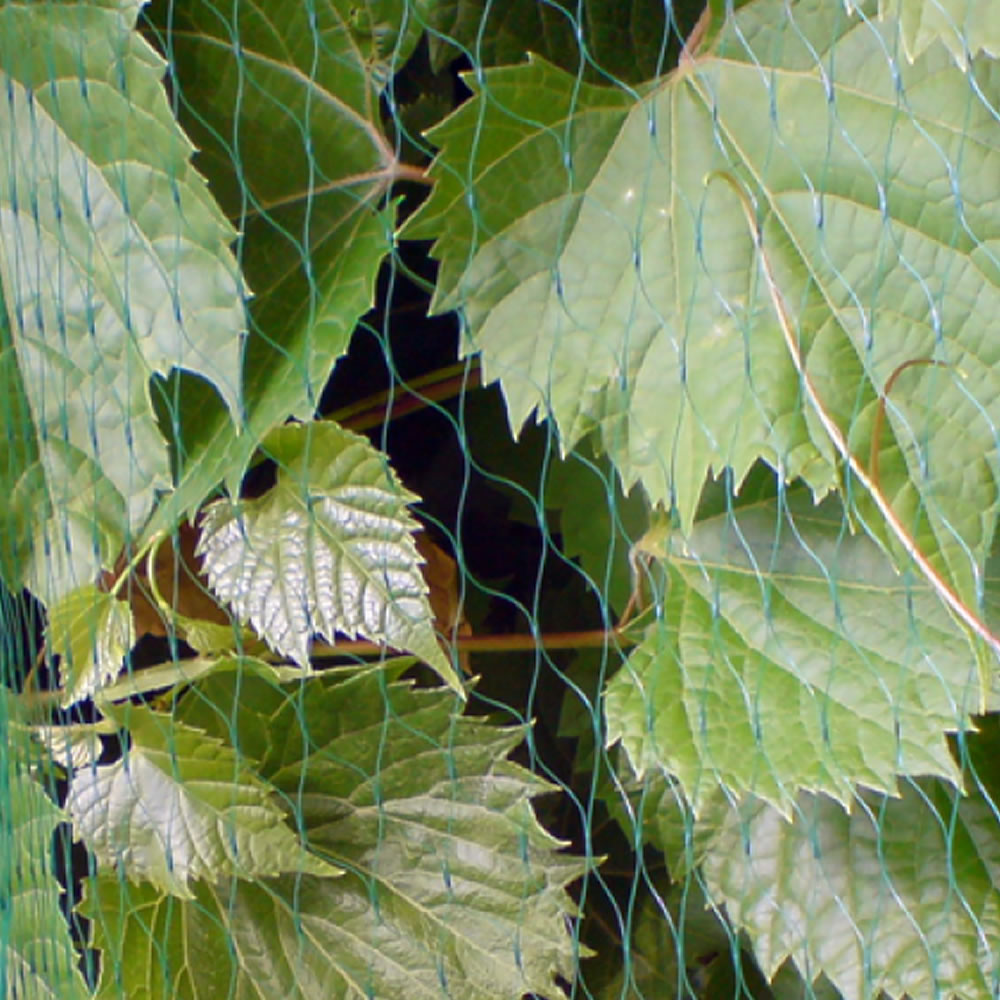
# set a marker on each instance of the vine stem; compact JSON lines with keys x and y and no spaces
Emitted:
{"x":435,"y":387}
{"x":517,"y":642}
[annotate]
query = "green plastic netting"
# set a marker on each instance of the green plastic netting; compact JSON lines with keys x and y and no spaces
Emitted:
{"x":498,"y":498}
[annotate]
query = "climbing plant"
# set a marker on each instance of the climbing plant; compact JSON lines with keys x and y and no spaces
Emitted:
{"x":499,"y":499}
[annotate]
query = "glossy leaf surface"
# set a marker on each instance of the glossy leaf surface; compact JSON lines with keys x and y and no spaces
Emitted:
{"x":329,"y":549}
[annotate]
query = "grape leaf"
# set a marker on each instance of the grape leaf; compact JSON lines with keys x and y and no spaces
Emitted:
{"x":91,"y":631}
{"x":792,"y":655}
{"x":451,"y":887}
{"x":329,"y":549}
{"x":115,"y":266}
{"x":739,"y":264}
{"x":181,"y":807}
{"x":37,"y":958}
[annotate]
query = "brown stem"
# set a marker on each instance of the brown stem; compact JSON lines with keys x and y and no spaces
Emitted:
{"x":413,"y":173}
{"x":874,"y":451}
{"x":445,"y":383}
{"x":517,"y":642}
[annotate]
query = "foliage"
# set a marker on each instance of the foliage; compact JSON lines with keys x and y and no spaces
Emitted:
{"x":743,"y":284}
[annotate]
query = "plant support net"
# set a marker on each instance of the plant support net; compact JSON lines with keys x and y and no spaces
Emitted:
{"x":498,"y":499}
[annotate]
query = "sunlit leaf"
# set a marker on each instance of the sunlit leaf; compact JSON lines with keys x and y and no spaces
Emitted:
{"x":328,"y":549}
{"x":738,"y":265}
{"x":966,"y":27}
{"x":181,"y":807}
{"x":899,"y":896}
{"x":792,"y":655}
{"x":115,"y":267}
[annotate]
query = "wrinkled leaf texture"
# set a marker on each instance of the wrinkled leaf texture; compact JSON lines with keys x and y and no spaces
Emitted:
{"x":450,"y":887}
{"x":328,"y":549}
{"x":180,"y":808}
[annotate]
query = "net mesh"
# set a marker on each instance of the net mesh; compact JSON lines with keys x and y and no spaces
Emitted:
{"x":497,"y":499}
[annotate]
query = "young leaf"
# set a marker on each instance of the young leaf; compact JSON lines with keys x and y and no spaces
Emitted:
{"x":328,"y":549}
{"x":450,"y":887}
{"x":97,"y":188}
{"x":640,"y":292}
{"x":792,"y":655}
{"x":91,"y":631}
{"x":180,"y":807}
{"x":37,"y":958}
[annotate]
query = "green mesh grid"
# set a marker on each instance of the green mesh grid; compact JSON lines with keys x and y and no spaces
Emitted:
{"x":498,"y":498}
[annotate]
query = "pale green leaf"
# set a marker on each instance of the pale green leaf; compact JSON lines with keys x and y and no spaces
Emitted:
{"x":451,"y":888}
{"x":36,"y":952}
{"x":328,"y":549}
{"x":791,"y":654}
{"x":180,"y":807}
{"x":115,"y":266}
{"x":288,"y":122}
{"x":91,"y":631}
{"x":608,"y":261}
{"x":966,"y":27}
{"x":899,"y":896}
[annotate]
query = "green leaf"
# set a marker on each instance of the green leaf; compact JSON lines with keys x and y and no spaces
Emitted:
{"x":329,"y":549}
{"x":37,"y":955}
{"x":97,"y":188}
{"x":900,"y":895}
{"x":450,"y":887}
{"x":623,"y":39}
{"x":289,"y":127}
{"x":966,"y":27}
{"x":181,"y":807}
{"x":608,"y":261}
{"x":790,"y":654}
{"x":91,"y":631}
{"x":595,"y":280}
{"x":180,"y":673}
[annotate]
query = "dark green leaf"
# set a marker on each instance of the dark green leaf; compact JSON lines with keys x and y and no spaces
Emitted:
{"x":623,"y":39}
{"x":37,"y":955}
{"x":452,"y":887}
{"x":288,"y":123}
